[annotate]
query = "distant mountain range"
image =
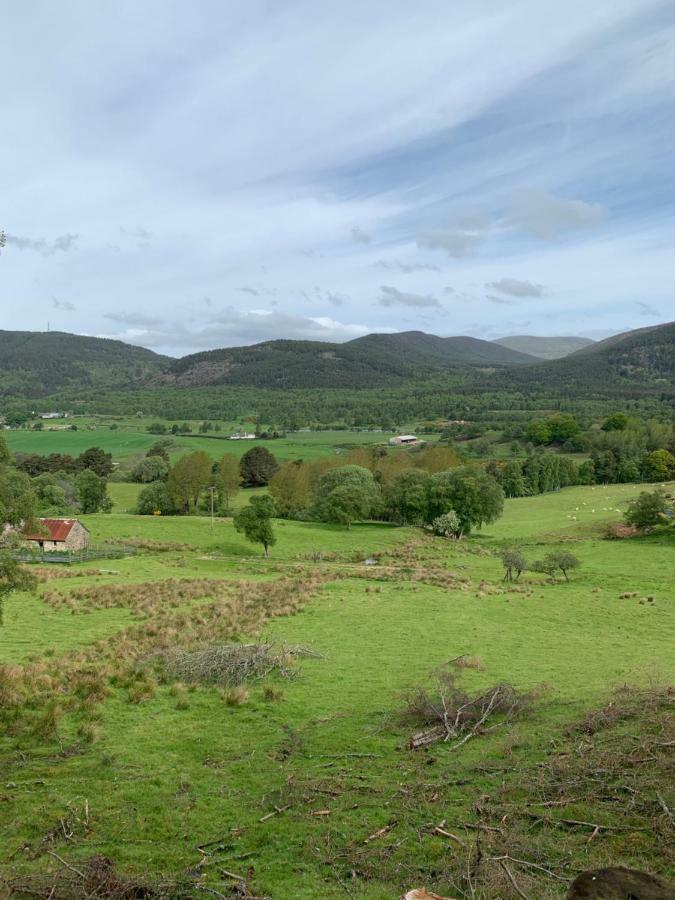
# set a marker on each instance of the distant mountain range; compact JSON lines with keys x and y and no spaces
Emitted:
{"x":544,"y":347}
{"x":34,"y":364}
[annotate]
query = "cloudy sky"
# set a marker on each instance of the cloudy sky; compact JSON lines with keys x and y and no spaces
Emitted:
{"x":187,"y":176}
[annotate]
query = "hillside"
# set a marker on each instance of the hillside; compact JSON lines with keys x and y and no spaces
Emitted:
{"x":371,"y":361}
{"x":451,"y":350}
{"x":544,"y":347}
{"x":632,"y":361}
{"x":34,"y":364}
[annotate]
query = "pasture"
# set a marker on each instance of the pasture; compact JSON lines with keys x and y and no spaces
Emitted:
{"x":303,"y":787}
{"x":130,"y":440}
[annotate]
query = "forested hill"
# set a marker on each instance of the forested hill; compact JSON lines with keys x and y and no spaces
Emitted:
{"x":376,"y":360}
{"x":35,"y":363}
{"x":545,"y":347}
{"x":634,"y":360}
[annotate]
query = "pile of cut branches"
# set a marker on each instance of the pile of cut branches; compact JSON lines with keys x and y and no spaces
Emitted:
{"x":230,"y":665}
{"x":450,"y":714}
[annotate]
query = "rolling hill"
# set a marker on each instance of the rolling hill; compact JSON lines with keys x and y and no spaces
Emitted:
{"x":37,"y":363}
{"x":632,"y":361}
{"x":375,"y":360}
{"x":544,"y":347}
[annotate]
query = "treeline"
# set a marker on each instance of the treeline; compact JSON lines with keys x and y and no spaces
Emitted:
{"x":545,"y":472}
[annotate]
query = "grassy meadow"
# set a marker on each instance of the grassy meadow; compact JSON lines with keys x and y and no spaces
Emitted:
{"x":130,"y":440}
{"x":302,"y":787}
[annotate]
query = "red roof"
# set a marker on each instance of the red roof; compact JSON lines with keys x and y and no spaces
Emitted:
{"x":58,"y":529}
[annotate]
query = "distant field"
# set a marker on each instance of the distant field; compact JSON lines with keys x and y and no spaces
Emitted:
{"x":310,"y":789}
{"x":125,"y":443}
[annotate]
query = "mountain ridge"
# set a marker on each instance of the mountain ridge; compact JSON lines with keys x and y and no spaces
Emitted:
{"x":553,"y":347}
{"x":35,"y":364}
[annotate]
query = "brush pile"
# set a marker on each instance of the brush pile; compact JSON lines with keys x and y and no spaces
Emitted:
{"x":450,"y":714}
{"x":230,"y":665}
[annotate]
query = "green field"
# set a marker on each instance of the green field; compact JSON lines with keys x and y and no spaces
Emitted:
{"x":132,"y":440}
{"x":309,"y":792}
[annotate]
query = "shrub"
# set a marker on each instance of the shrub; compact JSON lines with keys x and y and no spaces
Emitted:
{"x":447,"y":525}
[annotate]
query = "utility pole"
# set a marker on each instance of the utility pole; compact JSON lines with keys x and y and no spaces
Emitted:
{"x":211,"y":490}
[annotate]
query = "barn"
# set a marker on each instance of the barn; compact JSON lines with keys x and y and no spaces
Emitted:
{"x":59,"y":534}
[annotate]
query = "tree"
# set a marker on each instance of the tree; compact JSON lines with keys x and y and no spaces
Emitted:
{"x":659,"y":465}
{"x":291,"y":488}
{"x":257,"y":466}
{"x":157,"y":428}
{"x":511,"y":479}
{"x":513,"y":561}
{"x":228,"y":480}
{"x":405,"y":499}
{"x":188,"y":478}
{"x":473,"y":494}
{"x":646,"y":510}
{"x":255,"y":521}
{"x":562,"y":428}
{"x":346,"y":494}
{"x":17,"y":498}
{"x":155,"y":500}
{"x":97,"y":460}
{"x":618,"y":421}
{"x":538,"y":432}
{"x":91,"y":492}
{"x":160,"y":450}
{"x":5,"y":455}
{"x":448,"y":525}
{"x":152,"y":468}
{"x":13,"y":577}
{"x":561,"y":560}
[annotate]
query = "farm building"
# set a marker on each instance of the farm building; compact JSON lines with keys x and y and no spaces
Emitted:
{"x":59,"y":534}
{"x":403,"y":439}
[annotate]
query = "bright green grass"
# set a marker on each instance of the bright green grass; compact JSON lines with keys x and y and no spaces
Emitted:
{"x":124,"y":495}
{"x":293,"y":538}
{"x":163,"y":780}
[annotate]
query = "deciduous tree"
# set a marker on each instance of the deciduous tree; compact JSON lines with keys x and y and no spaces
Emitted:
{"x":257,"y":466}
{"x":255,"y":521}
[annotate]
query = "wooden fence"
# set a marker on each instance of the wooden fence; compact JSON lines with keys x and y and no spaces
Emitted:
{"x":69,"y":557}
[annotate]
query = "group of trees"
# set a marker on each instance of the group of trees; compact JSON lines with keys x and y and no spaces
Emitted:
{"x":544,"y":472}
{"x":411,"y":496}
{"x":94,"y":459}
{"x":56,"y":485}
{"x":194,"y":480}
{"x":515,"y":563}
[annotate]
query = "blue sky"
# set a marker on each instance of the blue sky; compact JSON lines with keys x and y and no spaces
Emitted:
{"x":188,"y":176}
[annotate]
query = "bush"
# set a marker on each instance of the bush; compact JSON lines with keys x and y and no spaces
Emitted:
{"x":447,"y":525}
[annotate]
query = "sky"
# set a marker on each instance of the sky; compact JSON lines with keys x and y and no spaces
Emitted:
{"x":190,"y":176}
